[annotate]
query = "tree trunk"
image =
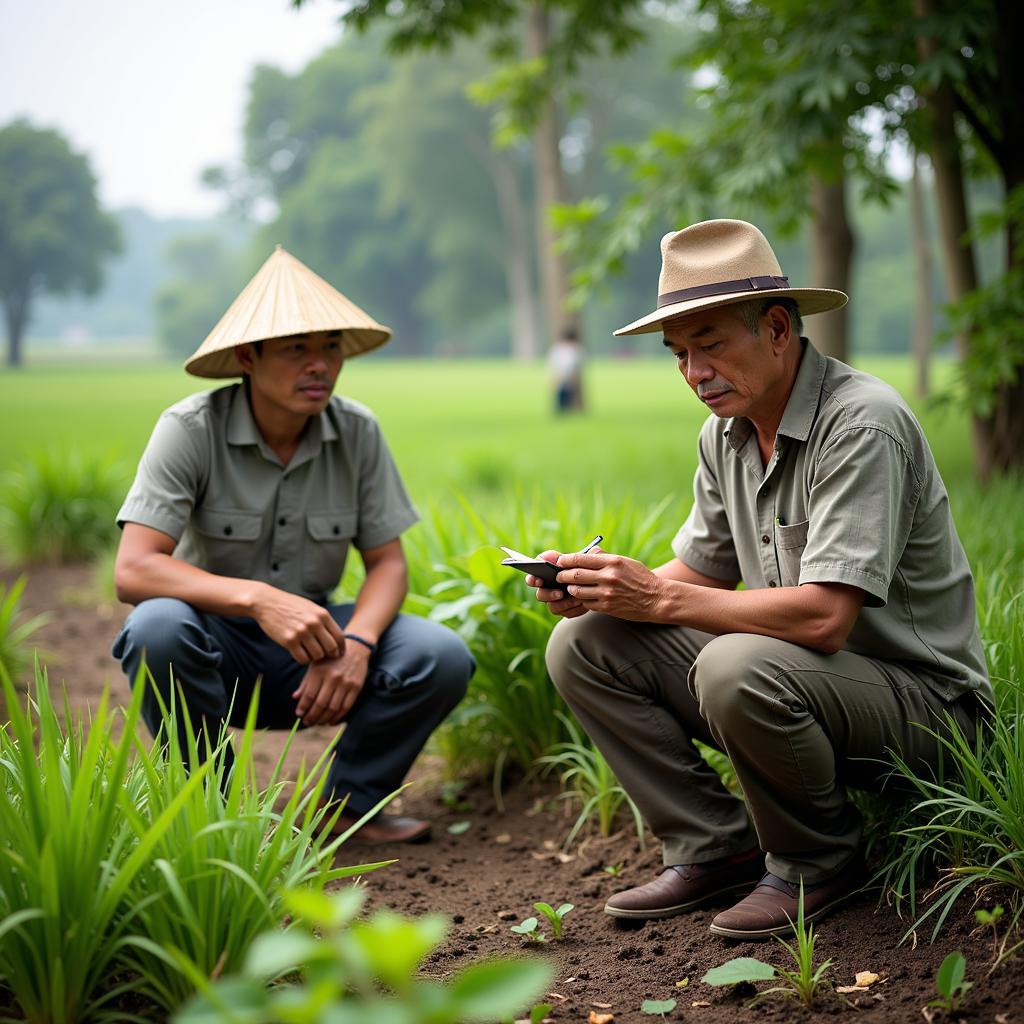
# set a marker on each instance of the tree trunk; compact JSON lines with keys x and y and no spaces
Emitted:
{"x":550,"y":187}
{"x":832,"y":245}
{"x":515,"y":257}
{"x":950,"y":195}
{"x":921,"y":339}
{"x":16,"y":306}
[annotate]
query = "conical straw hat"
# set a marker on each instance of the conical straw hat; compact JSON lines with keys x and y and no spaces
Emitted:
{"x":285,"y":298}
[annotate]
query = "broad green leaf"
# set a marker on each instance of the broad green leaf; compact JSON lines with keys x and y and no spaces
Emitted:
{"x":499,"y":989}
{"x":657,"y":1006}
{"x":742,"y":968}
{"x":951,"y":974}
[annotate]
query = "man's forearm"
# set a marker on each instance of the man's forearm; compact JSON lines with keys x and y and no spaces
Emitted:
{"x":379,"y":599}
{"x":162,"y":575}
{"x":809,"y":615}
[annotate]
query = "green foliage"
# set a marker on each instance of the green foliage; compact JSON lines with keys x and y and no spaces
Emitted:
{"x":992,"y":317}
{"x":969,"y":820}
{"x":53,"y":235}
{"x":513,"y":714}
{"x":588,"y":778}
{"x":555,"y":918}
{"x":354,"y":971}
{"x":119,"y":874}
{"x":950,"y":983}
{"x":59,"y":505}
{"x":15,"y":631}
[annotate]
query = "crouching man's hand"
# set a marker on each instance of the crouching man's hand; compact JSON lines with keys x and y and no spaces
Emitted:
{"x":558,"y":601}
{"x":303,"y":627}
{"x":613,"y":584}
{"x":331,"y":686}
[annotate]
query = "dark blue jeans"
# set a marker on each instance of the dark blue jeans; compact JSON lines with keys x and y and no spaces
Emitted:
{"x":418,"y":673}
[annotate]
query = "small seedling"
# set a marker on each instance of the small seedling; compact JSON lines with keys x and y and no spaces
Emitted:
{"x":614,"y":869}
{"x":990,"y":919}
{"x":540,"y":1012}
{"x":802,"y":983}
{"x":528,"y":930}
{"x":452,"y":796}
{"x":658,"y":1006}
{"x":950,"y":983}
{"x":555,"y":917}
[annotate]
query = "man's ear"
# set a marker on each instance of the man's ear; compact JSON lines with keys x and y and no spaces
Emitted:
{"x":780,"y":328}
{"x":245,"y":356}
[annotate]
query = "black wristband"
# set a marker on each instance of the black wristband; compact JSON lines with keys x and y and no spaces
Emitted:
{"x":372,"y":648}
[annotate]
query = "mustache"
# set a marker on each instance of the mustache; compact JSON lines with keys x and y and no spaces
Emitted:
{"x":318,"y":381}
{"x":706,"y":387}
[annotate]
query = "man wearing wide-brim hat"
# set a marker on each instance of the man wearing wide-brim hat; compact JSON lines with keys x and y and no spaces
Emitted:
{"x":856,"y":627}
{"x":236,"y":532}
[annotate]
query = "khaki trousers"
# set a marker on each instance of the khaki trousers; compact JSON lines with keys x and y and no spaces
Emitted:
{"x":799,"y":727}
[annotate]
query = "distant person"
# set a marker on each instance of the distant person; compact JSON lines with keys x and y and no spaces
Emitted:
{"x":565,"y":360}
{"x":236,"y":531}
{"x":856,"y":629}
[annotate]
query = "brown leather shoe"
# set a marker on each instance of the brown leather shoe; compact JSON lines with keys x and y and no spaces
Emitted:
{"x":382,"y":828}
{"x":684,"y":887}
{"x":771,"y":909}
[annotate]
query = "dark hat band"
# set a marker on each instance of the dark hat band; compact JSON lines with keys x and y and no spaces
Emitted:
{"x":703,"y":291}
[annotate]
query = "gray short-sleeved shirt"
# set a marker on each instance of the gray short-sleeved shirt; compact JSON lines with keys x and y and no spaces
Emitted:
{"x":209,"y":480}
{"x":851,"y":495}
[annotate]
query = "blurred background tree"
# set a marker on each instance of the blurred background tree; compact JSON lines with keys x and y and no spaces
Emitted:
{"x":53,"y":235}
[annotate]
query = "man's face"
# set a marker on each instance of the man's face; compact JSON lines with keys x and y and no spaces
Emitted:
{"x":294,"y":374}
{"x":732,"y":371}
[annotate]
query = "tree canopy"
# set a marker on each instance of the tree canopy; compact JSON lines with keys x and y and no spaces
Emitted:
{"x":53,"y":235}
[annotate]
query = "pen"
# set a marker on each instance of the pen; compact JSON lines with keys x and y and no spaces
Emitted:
{"x":593,"y":544}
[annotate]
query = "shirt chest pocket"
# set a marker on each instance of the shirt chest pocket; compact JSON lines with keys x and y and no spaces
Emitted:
{"x":325,"y":547}
{"x":228,"y":540}
{"x":790,"y":542}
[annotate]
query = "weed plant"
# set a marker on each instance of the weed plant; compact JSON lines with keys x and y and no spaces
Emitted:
{"x":350,"y":971}
{"x":15,"y":631}
{"x":969,"y":820}
{"x":59,"y":506}
{"x":120,"y":875}
{"x":588,"y":778}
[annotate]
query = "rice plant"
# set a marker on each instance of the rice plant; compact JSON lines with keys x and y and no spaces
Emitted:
{"x":217,"y":875}
{"x":59,"y":506}
{"x":121,"y":875}
{"x":15,"y":630}
{"x":587,"y":778}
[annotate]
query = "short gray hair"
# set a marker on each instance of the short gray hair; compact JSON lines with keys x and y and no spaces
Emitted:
{"x":750,"y":312}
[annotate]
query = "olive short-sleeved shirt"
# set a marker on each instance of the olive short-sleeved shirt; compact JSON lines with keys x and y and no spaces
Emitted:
{"x":209,"y":480}
{"x":851,"y":495}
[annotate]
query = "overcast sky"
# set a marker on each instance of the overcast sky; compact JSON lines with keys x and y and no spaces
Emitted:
{"x":152,"y":91}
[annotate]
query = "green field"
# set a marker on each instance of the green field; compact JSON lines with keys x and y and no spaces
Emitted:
{"x":474,"y":426}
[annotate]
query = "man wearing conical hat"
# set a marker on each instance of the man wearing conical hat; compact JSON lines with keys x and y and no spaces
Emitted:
{"x":856,"y":625}
{"x":236,"y":531}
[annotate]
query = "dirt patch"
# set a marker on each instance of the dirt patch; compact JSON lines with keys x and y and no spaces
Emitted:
{"x":487,"y":878}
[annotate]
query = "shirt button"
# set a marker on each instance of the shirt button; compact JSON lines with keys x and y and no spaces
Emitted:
{"x":771,"y":583}
{"x":227,"y":531}
{"x":765,"y":539}
{"x":281,"y":521}
{"x":766,"y":490}
{"x":275,"y":567}
{"x":336,"y":530}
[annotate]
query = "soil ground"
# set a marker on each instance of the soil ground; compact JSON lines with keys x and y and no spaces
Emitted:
{"x":488,"y":877}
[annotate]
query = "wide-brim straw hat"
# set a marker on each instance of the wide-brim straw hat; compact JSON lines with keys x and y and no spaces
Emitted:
{"x":285,"y":298}
{"x":718,"y":262}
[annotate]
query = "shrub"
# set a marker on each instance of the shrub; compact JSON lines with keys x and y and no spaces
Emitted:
{"x":59,"y":506}
{"x":115,"y":865}
{"x":15,"y":631}
{"x":357,"y":972}
{"x":512,"y":712}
